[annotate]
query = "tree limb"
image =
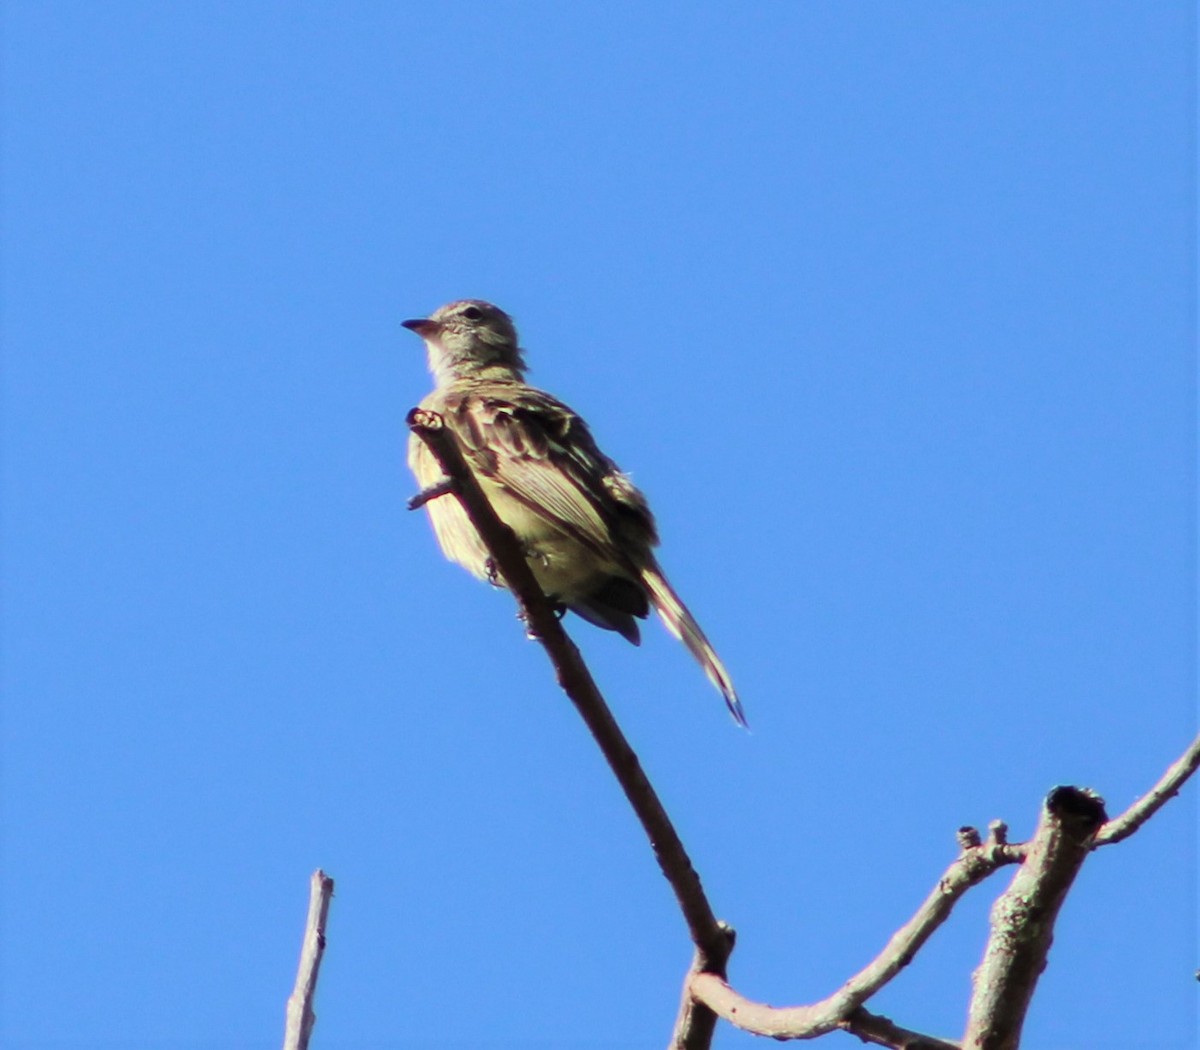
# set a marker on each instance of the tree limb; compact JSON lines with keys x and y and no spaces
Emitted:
{"x":300,"y":1015}
{"x":1073,"y":823}
{"x":1145,"y":807}
{"x":1024,"y":915}
{"x":877,"y":1029}
{"x":713,"y":939}
{"x":843,"y":1009}
{"x":695,"y":1024}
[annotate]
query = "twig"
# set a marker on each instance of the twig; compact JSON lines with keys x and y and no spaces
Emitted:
{"x":1145,"y":807}
{"x":300,"y":1015}
{"x":877,"y":1029}
{"x":713,"y":940}
{"x":1024,"y":915}
{"x":843,"y":1009}
{"x":435,"y":491}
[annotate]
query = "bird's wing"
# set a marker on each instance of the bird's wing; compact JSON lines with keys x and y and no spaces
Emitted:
{"x":543,"y":455}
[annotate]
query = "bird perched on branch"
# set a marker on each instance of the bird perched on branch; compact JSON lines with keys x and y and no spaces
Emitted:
{"x":587,"y":531}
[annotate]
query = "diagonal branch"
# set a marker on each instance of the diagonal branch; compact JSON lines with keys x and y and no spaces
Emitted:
{"x":1023,"y":917}
{"x":713,"y":940}
{"x":880,"y":1030}
{"x":1145,"y":807}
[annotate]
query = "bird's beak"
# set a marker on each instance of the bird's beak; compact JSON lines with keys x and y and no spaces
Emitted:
{"x":421,"y":325}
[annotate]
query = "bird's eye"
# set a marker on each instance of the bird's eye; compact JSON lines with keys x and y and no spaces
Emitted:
{"x":473,"y":313}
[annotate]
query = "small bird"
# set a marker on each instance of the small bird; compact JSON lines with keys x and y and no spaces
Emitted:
{"x":587,"y":531}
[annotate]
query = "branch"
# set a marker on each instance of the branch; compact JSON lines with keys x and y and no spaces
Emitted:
{"x":300,"y":1016}
{"x":877,"y":1029}
{"x":696,"y":1023}
{"x":1024,"y":915}
{"x":1145,"y":807}
{"x":843,"y":1009}
{"x":1022,"y":919}
{"x":713,"y":940}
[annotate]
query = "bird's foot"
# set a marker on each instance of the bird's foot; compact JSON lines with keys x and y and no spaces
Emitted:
{"x":560,"y":611}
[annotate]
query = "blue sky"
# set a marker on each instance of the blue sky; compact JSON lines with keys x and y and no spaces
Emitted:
{"x":889,"y":308}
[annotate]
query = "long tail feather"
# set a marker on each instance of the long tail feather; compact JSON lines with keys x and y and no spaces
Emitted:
{"x":683,"y":625}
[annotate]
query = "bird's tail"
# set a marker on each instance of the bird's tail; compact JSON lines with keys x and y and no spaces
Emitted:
{"x":683,"y":625}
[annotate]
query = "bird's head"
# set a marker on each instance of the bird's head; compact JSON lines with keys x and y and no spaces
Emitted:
{"x":467,"y":338}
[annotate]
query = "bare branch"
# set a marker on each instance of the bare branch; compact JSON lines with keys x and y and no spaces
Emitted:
{"x":877,"y":1029}
{"x":712,"y":939}
{"x":1024,"y":915}
{"x":695,"y":1023}
{"x":807,"y":1022}
{"x":300,"y":1015}
{"x":841,"y":1009}
{"x":1145,"y":807}
{"x":442,"y":488}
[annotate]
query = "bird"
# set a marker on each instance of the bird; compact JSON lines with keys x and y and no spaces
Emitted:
{"x":587,"y":531}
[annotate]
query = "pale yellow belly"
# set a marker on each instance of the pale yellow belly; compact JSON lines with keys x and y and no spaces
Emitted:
{"x":563,"y":567}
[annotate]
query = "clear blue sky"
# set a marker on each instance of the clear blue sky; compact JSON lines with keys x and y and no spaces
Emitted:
{"x":890,"y":309}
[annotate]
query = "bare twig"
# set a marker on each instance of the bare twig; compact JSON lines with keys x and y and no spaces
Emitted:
{"x":877,"y":1029}
{"x":1024,"y":915}
{"x":435,"y":491}
{"x":300,"y":1015}
{"x":712,"y":939}
{"x":1145,"y":807}
{"x":843,"y":1008}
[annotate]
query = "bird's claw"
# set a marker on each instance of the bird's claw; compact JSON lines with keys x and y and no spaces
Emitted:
{"x":557,"y":608}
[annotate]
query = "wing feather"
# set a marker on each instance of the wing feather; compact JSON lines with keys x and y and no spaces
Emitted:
{"x":540,"y":453}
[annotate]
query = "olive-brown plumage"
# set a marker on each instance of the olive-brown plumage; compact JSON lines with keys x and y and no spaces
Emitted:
{"x":587,"y":531}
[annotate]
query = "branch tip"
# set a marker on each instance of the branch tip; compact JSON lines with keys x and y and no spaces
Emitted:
{"x":419,"y":419}
{"x":300,"y":1014}
{"x":968,"y":837}
{"x":1081,"y":808}
{"x":1177,"y":774}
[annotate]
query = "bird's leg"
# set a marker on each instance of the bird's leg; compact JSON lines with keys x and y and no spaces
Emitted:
{"x":439,"y":488}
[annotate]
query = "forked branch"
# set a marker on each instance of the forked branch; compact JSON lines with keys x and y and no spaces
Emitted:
{"x":1024,"y":915}
{"x":844,"y":1009}
{"x":1072,"y":825}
